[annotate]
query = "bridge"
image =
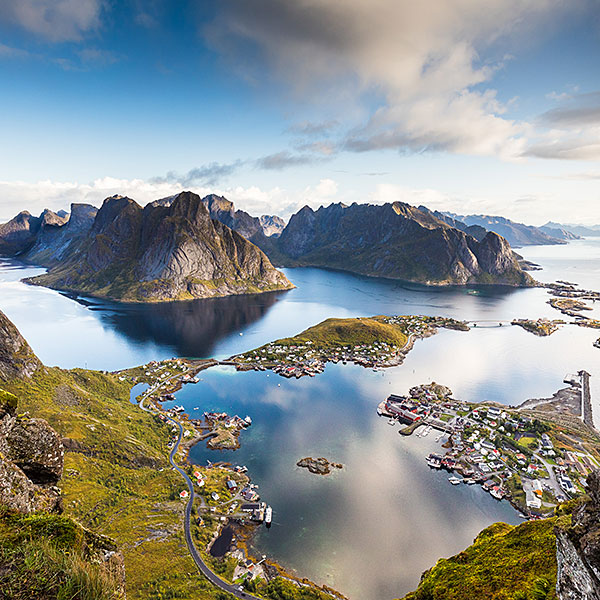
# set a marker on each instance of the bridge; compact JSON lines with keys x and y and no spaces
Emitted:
{"x":488,"y":323}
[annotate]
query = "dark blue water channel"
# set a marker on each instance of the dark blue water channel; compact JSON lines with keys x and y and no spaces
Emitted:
{"x":373,"y":527}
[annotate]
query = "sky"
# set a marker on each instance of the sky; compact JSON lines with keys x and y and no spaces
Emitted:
{"x":462,"y":105}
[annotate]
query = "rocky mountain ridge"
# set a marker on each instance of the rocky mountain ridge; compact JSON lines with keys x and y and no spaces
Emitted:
{"x":396,"y":241}
{"x":157,"y":253}
{"x":517,"y":234}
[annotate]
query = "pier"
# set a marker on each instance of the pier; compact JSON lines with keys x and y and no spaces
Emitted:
{"x":586,"y":399}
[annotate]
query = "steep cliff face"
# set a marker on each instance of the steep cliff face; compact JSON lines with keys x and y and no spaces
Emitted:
{"x":18,"y":234}
{"x":162,"y":252}
{"x":223,"y":210}
{"x":16,"y":357}
{"x":59,"y":237}
{"x":578,"y":549}
{"x":397,"y":241}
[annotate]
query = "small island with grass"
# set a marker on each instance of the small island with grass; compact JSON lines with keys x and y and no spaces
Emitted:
{"x":541,"y":327}
{"x":374,"y":342}
{"x":318,"y":466}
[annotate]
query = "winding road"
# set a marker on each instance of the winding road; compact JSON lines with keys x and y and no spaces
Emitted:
{"x":234,"y":590}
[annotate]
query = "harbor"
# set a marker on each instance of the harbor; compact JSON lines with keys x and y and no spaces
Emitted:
{"x":511,"y":452}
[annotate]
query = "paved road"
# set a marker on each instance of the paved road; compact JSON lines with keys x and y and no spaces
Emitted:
{"x":202,"y":566}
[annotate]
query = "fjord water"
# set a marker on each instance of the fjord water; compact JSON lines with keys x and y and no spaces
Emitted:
{"x":372,"y":528}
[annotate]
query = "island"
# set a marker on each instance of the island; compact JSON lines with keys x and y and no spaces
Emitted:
{"x":374,"y":342}
{"x":541,"y":327}
{"x":318,"y":466}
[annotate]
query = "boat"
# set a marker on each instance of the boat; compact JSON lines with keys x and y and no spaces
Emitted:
{"x":391,"y":421}
{"x":454,"y":480}
{"x":434,"y":461}
{"x":496,"y":493}
{"x":268,"y":515}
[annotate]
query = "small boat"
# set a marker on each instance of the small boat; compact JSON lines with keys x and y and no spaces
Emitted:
{"x":391,"y":421}
{"x":268,"y":515}
{"x":248,"y":421}
{"x":454,"y":480}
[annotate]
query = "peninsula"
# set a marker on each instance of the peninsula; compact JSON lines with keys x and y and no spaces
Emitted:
{"x":375,"y":342}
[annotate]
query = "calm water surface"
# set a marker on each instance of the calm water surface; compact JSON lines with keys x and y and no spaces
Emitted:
{"x":372,"y":528}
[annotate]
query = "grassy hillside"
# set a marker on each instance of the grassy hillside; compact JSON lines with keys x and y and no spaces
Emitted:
{"x":504,"y":563}
{"x":345,"y":332}
{"x":116,"y":479}
{"x":52,"y":556}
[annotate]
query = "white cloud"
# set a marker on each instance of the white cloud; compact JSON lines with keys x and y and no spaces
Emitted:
{"x":35,"y":197}
{"x":421,"y":60}
{"x":55,"y":20}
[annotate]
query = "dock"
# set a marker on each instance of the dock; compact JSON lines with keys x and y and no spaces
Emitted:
{"x":586,"y":399}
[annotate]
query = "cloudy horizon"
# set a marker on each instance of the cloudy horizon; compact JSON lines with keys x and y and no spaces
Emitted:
{"x":475,"y":108}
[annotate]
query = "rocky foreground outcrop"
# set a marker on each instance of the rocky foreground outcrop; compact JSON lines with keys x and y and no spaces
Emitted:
{"x":165,"y":251}
{"x":16,"y":356}
{"x":396,"y":241}
{"x":578,"y":549}
{"x":31,"y":460}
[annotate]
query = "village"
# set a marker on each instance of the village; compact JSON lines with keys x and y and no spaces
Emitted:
{"x":302,"y":356}
{"x":512,"y":452}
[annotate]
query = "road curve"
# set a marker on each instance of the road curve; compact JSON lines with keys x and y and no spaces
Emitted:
{"x":202,"y":566}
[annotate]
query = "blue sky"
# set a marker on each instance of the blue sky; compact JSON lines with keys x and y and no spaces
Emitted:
{"x":473,"y":107}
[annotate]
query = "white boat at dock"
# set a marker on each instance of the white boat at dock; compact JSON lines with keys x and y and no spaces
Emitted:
{"x":268,"y":515}
{"x":391,"y":421}
{"x":454,"y":480}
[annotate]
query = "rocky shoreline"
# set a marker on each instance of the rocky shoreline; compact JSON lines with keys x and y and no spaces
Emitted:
{"x":318,"y":466}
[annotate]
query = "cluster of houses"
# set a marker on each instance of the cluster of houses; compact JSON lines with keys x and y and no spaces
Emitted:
{"x":298,"y":360}
{"x":214,"y":418}
{"x":498,"y":448}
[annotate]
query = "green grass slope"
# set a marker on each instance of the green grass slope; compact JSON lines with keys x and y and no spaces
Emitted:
{"x":504,"y":563}
{"x":344,"y":332}
{"x":116,"y":480}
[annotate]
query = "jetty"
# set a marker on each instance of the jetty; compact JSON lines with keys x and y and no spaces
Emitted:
{"x":586,"y":399}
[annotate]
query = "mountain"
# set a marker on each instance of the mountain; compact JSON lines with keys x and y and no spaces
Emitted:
{"x":18,"y":234}
{"x":553,"y":558}
{"x":559,"y":233}
{"x":396,"y":241}
{"x":56,"y":240}
{"x":223,"y":210}
{"x":477,"y":231}
{"x":577,"y":230}
{"x":516,"y":234}
{"x":157,"y":253}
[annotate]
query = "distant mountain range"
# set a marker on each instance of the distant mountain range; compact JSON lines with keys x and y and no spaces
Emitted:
{"x":185,"y":246}
{"x":575,"y":230}
{"x":134,"y":254}
{"x":396,"y":241}
{"x":516,"y":234}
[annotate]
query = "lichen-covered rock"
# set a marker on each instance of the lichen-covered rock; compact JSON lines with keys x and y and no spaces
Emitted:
{"x":17,"y":492}
{"x":31,"y":460}
{"x":578,"y":549}
{"x":16,"y":357}
{"x":37,"y":450}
